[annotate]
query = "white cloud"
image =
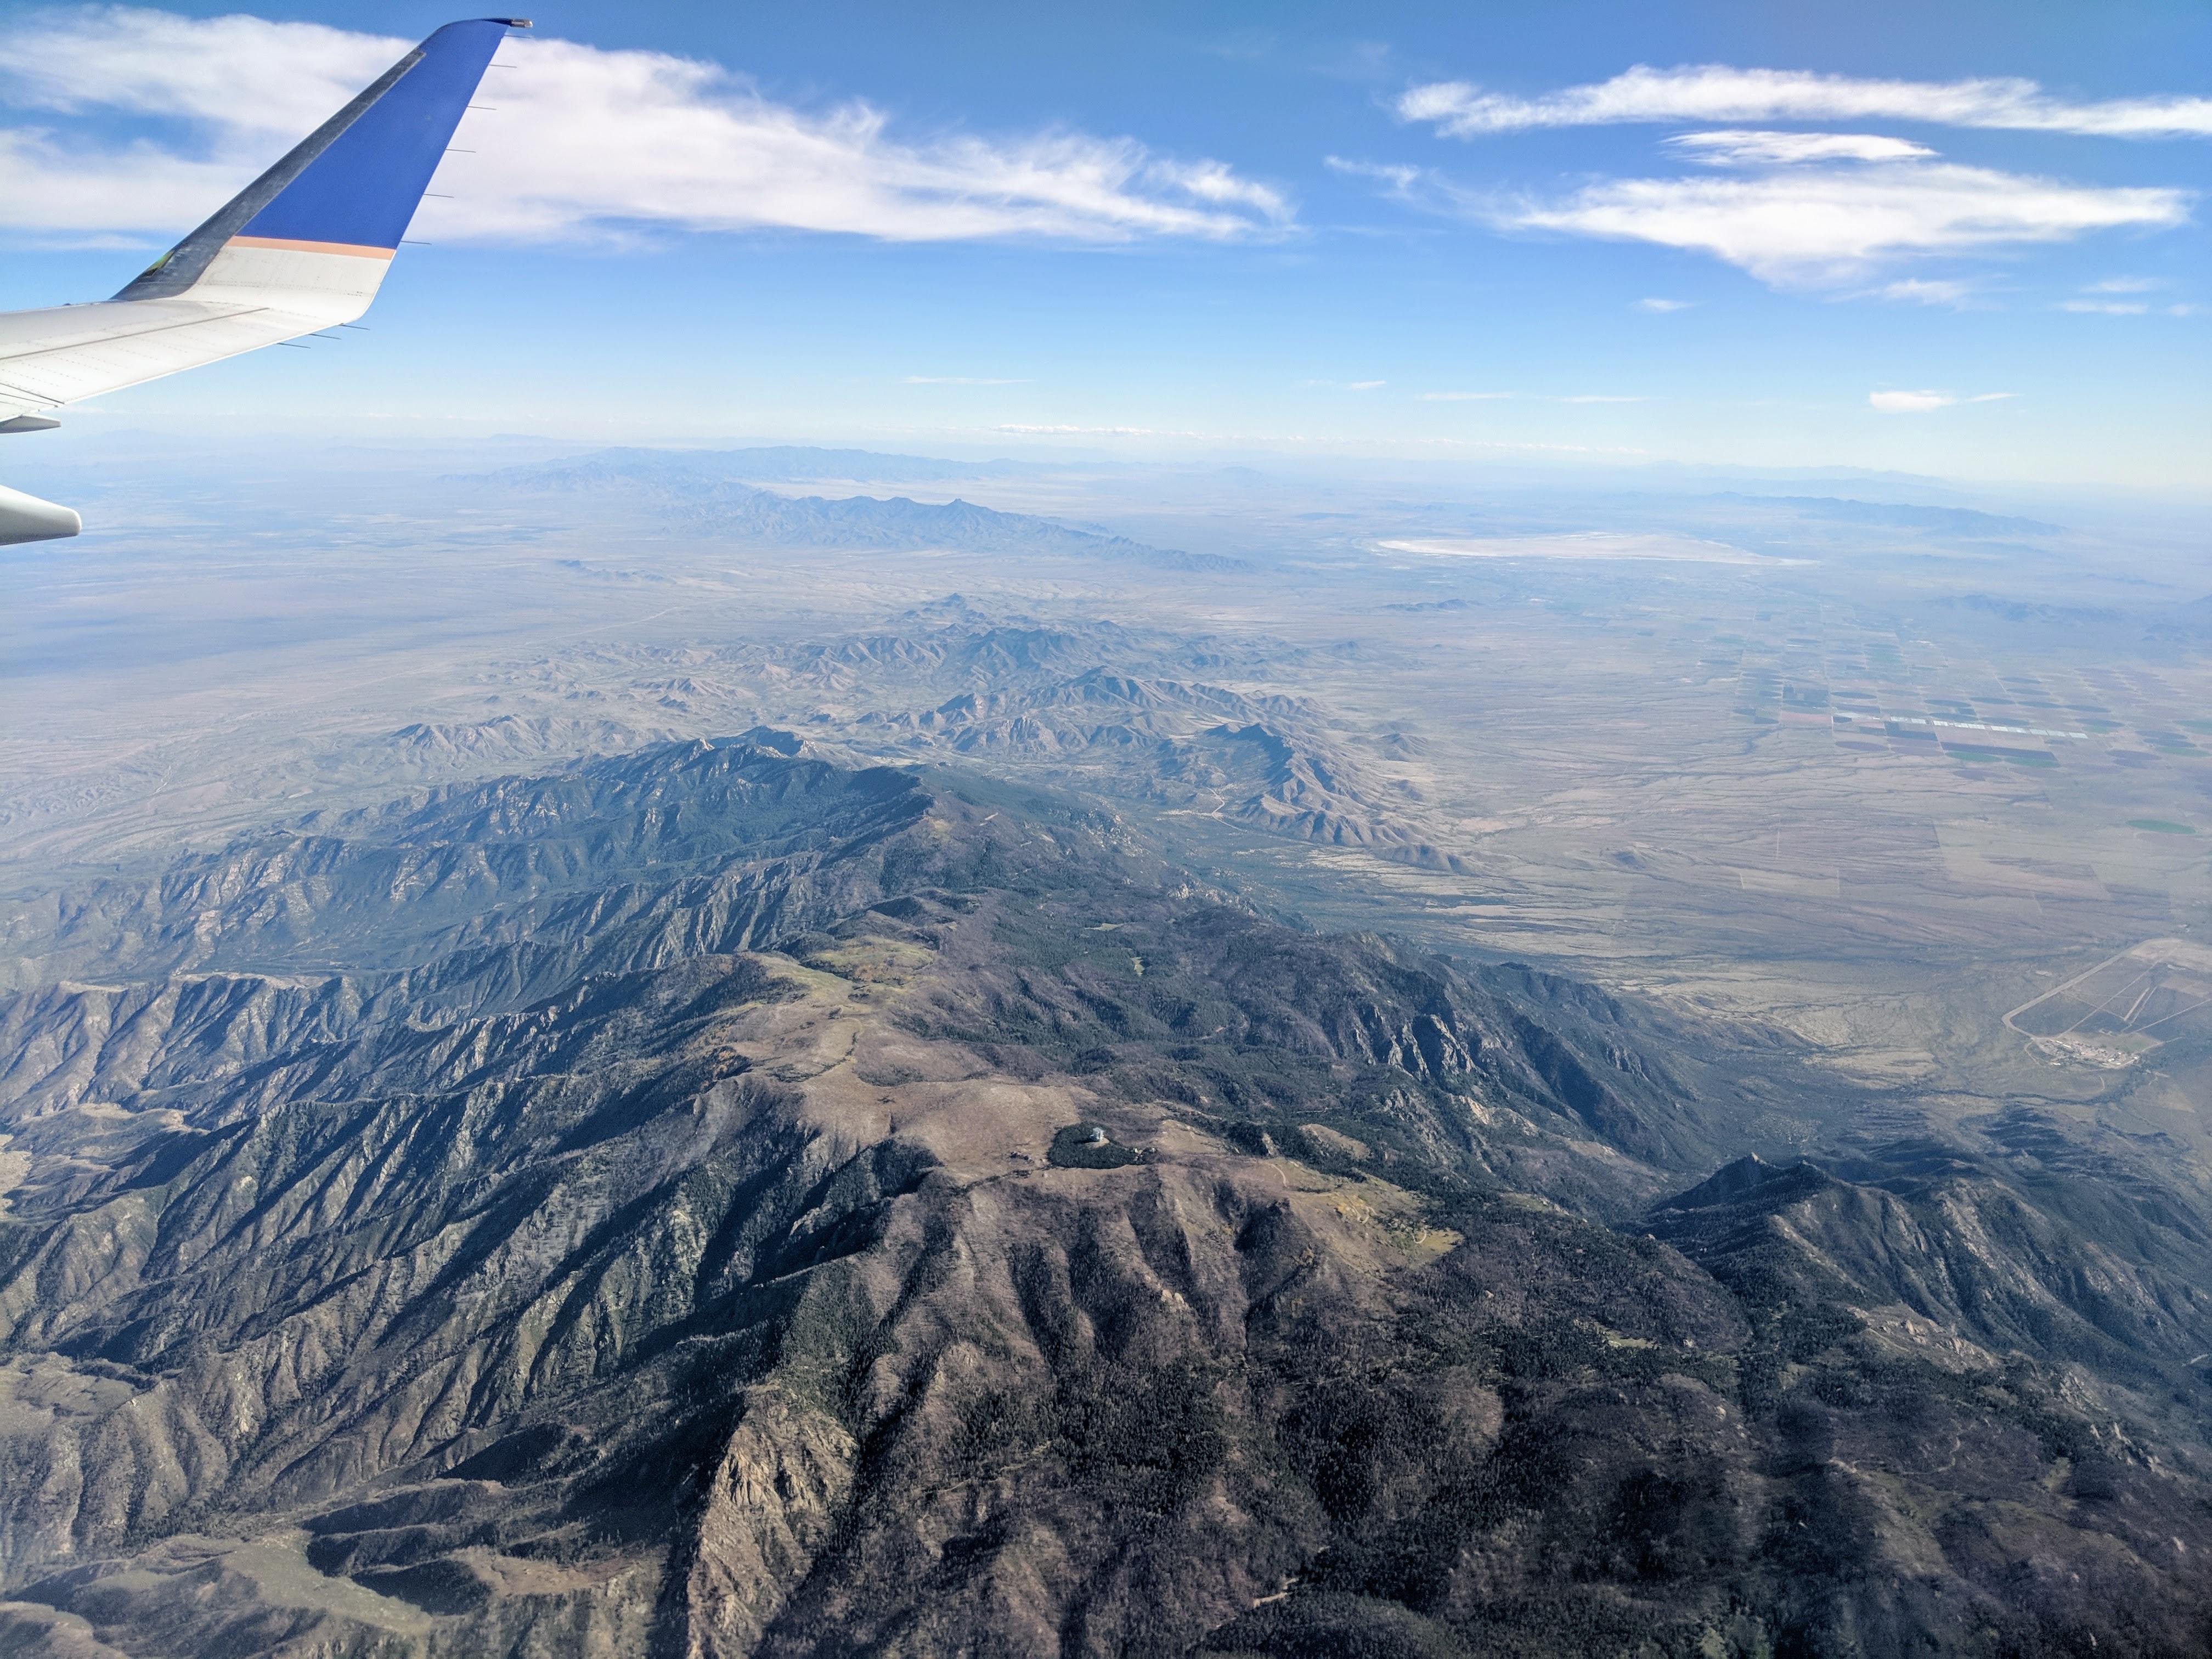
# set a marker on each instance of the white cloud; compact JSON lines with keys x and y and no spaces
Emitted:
{"x":241,"y":74}
{"x":1106,"y":431}
{"x":1919,"y":403}
{"x":1806,"y":225}
{"x":1719,"y":93}
{"x":1739,"y":149}
{"x":1803,"y":226}
{"x":1400,"y":177}
{"x":60,"y":191}
{"x":1488,"y":397}
{"x":582,"y":144}
{"x":2125,"y":307}
{"x":1213,"y":181}
{"x":1664,"y":305}
{"x":1927,"y":292}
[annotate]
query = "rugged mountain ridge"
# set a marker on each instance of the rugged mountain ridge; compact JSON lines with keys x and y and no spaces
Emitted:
{"x":1159,"y":723}
{"x":1113,"y":710}
{"x":714,"y":1201}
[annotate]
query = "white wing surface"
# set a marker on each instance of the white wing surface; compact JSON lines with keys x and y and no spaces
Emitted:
{"x":301,"y":249}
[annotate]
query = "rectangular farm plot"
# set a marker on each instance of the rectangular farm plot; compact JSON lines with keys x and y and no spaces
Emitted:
{"x":1990,"y":751}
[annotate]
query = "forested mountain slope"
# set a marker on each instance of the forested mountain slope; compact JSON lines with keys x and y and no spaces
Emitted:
{"x":712,"y":1201}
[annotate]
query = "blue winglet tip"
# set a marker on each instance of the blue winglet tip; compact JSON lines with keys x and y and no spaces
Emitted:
{"x":353,"y":185}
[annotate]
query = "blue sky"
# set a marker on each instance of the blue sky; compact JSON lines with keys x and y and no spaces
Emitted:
{"x":1810,"y":235}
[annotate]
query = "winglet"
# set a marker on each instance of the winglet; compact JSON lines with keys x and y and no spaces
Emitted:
{"x":352,"y":186}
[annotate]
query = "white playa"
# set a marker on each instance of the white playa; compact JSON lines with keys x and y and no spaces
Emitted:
{"x":1588,"y":545}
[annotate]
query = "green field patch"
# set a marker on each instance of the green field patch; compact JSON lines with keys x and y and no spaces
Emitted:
{"x":2160,"y":827}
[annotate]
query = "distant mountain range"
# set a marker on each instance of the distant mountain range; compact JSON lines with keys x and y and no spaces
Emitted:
{"x":709,"y":492}
{"x":778,"y":464}
{"x":1949,"y":521}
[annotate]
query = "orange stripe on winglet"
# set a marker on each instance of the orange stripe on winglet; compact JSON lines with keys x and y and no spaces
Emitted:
{"x":352,"y":250}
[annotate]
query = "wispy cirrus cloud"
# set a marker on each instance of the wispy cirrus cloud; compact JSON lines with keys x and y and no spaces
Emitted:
{"x":239,"y":73}
{"x":1713,"y":93}
{"x":1806,"y":209}
{"x":1921,"y":290}
{"x":2100,"y":302}
{"x":582,"y":144}
{"x":1662,"y":305}
{"x":1739,"y":149}
{"x":2126,"y":309}
{"x":1920,"y":403}
{"x":1101,"y":431}
{"x":1811,"y":225}
{"x":1488,"y":397}
{"x":1397,"y":176}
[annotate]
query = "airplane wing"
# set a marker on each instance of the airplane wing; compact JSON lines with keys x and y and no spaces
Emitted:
{"x":301,"y":249}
